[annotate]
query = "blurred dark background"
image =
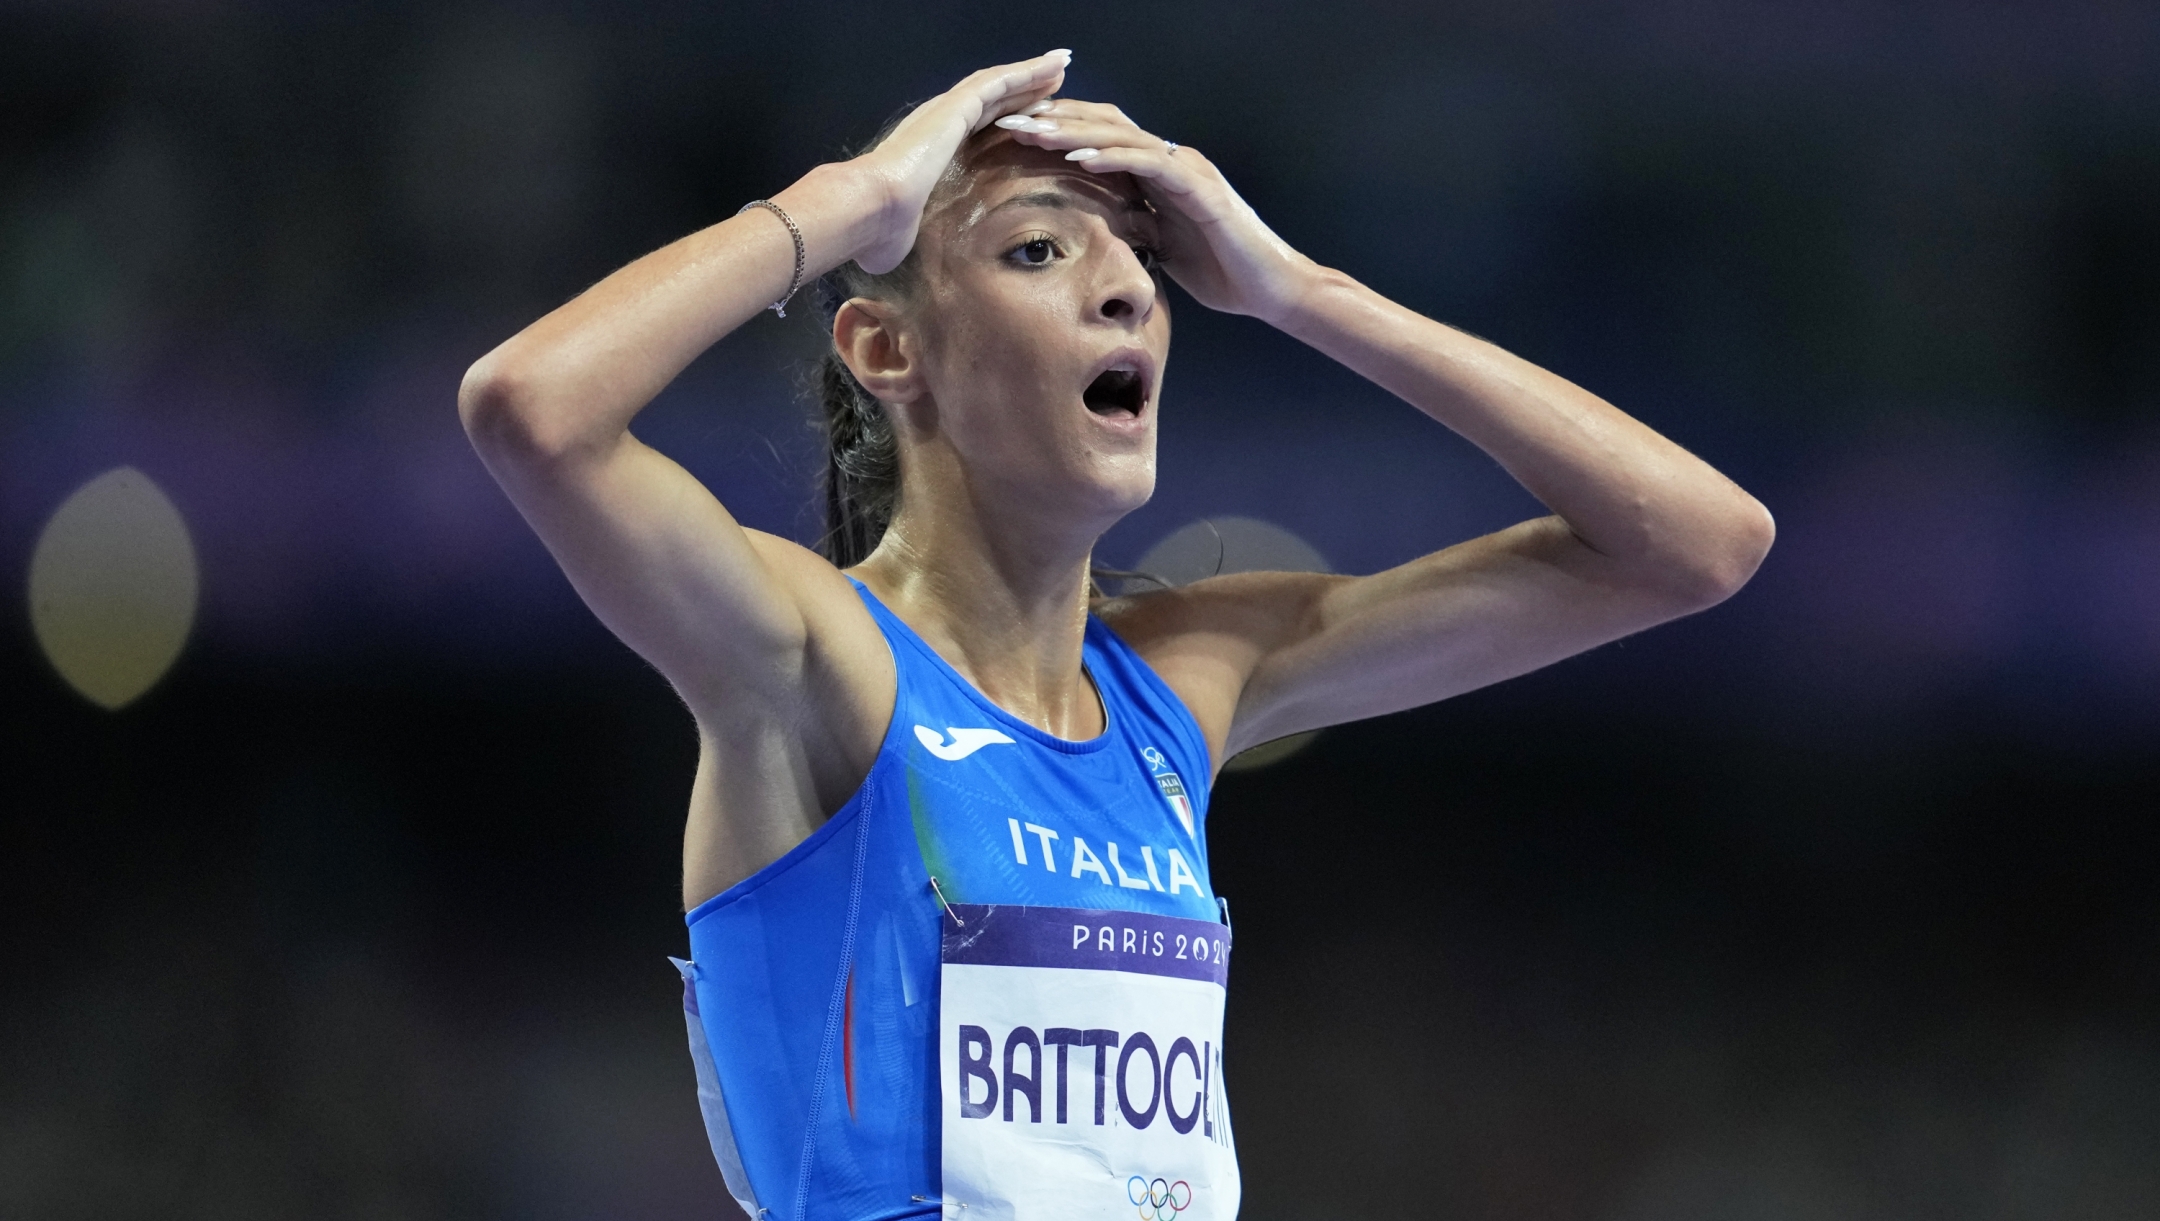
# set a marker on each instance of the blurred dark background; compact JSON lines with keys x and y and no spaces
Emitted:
{"x":1834,"y":902}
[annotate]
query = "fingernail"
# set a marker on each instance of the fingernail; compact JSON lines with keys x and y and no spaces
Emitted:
{"x":1064,"y":51}
{"x":1083,"y":154}
{"x":1039,"y":107}
{"x":1040,"y":127}
{"x":1014,"y":122}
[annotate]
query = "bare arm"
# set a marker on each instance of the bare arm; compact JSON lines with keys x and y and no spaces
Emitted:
{"x":1642,"y":511}
{"x":784,"y":670}
{"x":648,"y":547}
{"x":1641,"y":531}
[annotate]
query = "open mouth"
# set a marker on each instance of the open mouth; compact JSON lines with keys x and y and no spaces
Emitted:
{"x":1118,"y":392}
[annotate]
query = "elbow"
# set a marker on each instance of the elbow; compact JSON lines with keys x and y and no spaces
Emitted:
{"x":1725,"y":553}
{"x":501,"y":412}
{"x":491,"y":404}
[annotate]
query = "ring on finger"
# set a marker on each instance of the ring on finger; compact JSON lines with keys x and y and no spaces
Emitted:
{"x":1170,"y":147}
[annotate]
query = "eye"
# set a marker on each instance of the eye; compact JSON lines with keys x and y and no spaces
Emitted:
{"x":1034,"y":252}
{"x":1150,"y":258}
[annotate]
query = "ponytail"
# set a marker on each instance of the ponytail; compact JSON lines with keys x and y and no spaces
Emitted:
{"x":862,"y":465}
{"x":862,"y":461}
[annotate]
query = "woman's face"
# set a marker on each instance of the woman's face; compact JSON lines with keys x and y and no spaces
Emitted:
{"x":1042,"y":331}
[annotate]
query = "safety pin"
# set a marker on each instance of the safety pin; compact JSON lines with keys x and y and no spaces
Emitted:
{"x":931,"y":1200}
{"x":947,"y":905}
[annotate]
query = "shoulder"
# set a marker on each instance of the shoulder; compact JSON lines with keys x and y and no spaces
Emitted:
{"x":1205,"y":640}
{"x":824,"y":593}
{"x":839,"y":667}
{"x":1231,"y":613}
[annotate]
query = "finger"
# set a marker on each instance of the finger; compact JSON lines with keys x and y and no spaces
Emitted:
{"x":1055,"y":132}
{"x":1014,"y":103}
{"x":1063,"y":114}
{"x":998,"y":89}
{"x":991,"y":83}
{"x":1076,"y":108}
{"x":1158,"y":166}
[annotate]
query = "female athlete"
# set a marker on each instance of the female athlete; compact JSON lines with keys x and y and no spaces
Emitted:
{"x":955,"y":945}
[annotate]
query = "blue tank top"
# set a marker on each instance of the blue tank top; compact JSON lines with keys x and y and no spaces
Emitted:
{"x":812,"y":996}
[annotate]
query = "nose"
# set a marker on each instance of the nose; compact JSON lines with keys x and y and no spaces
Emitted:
{"x":1126,"y":292}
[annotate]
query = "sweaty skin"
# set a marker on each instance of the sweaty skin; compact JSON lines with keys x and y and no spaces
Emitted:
{"x":1039,"y":222}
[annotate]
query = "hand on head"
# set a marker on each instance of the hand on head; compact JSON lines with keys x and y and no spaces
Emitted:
{"x":1217,"y":248}
{"x":910,"y":161}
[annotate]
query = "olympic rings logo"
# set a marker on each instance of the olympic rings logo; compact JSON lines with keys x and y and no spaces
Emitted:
{"x":1158,"y":1199}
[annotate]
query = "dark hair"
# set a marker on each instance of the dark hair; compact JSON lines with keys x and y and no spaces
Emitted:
{"x":862,"y":460}
{"x":861,"y":485}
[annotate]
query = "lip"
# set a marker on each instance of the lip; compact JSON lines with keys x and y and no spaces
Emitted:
{"x":1141,"y":362}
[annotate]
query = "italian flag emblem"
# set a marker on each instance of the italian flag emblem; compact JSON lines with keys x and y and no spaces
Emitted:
{"x":1173,"y":791}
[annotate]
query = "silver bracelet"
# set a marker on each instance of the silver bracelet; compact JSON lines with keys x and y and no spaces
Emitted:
{"x":795,"y":284}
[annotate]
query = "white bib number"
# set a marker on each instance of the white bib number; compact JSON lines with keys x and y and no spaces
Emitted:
{"x":1080,"y":1064}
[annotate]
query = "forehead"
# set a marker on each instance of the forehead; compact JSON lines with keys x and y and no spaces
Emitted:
{"x":999,"y":175}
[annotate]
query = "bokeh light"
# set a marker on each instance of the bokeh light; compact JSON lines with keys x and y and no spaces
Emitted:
{"x":1217,"y":545}
{"x":1269,"y":753}
{"x":1834,"y":901}
{"x":113,"y":587}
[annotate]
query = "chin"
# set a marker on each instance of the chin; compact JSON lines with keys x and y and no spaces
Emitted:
{"x":1123,"y":488}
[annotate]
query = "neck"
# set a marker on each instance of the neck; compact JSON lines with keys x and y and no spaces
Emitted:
{"x":1008,"y":609}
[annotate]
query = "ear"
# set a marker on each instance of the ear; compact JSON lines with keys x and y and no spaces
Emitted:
{"x":867,"y":335}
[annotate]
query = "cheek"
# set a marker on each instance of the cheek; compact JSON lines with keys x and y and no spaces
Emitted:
{"x":1004,"y":349}
{"x":1025,"y":325}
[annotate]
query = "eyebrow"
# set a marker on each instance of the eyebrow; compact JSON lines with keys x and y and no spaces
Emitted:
{"x":1060,"y":199}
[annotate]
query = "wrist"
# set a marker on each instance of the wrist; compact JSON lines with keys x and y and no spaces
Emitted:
{"x":1308,"y":290}
{"x":842,"y":207}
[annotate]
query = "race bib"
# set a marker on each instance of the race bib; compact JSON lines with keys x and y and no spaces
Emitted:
{"x":1080,"y":1063}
